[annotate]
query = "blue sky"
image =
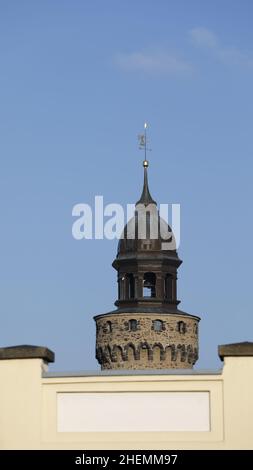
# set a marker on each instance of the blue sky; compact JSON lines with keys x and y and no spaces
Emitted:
{"x":77,"y":80}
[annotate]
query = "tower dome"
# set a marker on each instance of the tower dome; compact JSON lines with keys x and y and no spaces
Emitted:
{"x":147,"y":330}
{"x":146,"y":230}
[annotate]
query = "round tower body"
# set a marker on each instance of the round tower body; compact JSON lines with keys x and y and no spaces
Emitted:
{"x":147,"y":340}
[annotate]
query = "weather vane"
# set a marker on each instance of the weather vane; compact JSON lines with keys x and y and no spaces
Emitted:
{"x":143,"y":144}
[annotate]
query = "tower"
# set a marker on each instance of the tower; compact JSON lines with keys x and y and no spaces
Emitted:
{"x":147,"y":330}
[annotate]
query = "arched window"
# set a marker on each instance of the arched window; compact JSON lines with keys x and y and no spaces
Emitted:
{"x":133,"y":325}
{"x":168,"y":286}
{"x":181,"y":327}
{"x":108,"y":327}
{"x":149,"y":285}
{"x":158,"y":325}
{"x":130,"y":286}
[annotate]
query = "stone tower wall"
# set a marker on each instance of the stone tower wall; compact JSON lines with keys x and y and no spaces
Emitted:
{"x":120,"y":347}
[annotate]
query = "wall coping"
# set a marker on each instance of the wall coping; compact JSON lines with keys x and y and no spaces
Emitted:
{"x":27,"y":352}
{"x":235,"y":349}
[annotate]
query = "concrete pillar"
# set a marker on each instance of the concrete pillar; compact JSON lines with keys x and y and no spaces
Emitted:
{"x":21,"y":395}
{"x":238,"y":387}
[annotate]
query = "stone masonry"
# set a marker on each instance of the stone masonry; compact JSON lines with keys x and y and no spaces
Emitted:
{"x":174,"y":345}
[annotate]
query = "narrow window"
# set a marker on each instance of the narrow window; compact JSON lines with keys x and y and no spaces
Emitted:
{"x":181,"y":327}
{"x":158,"y":325}
{"x":108,"y":326}
{"x":133,"y":325}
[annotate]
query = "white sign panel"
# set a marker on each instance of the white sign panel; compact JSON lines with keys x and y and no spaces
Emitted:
{"x":133,"y":411}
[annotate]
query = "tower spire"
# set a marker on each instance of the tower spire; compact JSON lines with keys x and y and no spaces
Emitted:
{"x":146,"y":197}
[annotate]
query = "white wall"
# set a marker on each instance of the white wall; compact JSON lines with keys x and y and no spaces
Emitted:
{"x":133,"y":412}
{"x":162,"y":411}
